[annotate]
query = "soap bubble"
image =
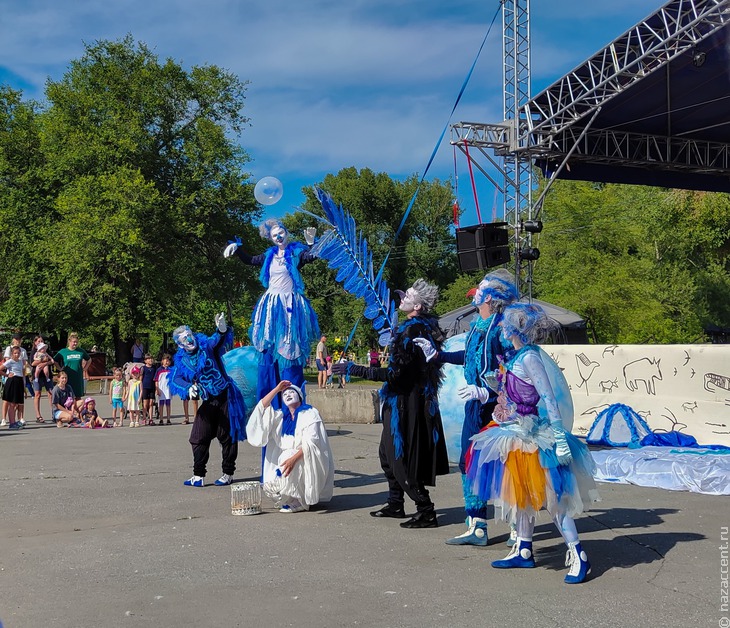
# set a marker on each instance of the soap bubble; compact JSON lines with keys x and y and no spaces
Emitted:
{"x":268,"y":190}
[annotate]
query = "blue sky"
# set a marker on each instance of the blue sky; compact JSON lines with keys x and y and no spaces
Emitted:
{"x":333,"y":84}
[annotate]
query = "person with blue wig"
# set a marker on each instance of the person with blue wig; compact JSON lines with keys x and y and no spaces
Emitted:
{"x":284,"y":324}
{"x":483,"y":344}
{"x":529,"y":461}
{"x":299,"y":468}
{"x":199,"y":373}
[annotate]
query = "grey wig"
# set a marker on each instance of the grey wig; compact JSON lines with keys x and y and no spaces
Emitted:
{"x":428,"y":294}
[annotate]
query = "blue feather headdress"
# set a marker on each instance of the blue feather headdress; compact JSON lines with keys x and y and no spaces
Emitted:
{"x":347,"y":251}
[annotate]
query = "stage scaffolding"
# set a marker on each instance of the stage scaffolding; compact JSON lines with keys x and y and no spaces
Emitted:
{"x":558,"y":126}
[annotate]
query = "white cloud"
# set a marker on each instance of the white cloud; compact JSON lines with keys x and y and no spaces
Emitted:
{"x":333,"y":84}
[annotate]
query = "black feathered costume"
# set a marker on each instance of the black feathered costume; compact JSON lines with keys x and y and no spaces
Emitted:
{"x":412,"y":447}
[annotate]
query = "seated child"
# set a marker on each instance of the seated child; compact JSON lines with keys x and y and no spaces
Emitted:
{"x":46,"y":360}
{"x":90,"y":416}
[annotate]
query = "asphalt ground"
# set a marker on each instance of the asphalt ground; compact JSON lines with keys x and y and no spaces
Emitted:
{"x":98,"y":530}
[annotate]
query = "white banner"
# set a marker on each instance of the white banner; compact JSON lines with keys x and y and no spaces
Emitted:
{"x":674,"y":387}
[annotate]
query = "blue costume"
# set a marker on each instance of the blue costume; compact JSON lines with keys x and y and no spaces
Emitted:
{"x":528,"y":461}
{"x":284,"y":325}
{"x":483,"y":344}
{"x":222,"y":413}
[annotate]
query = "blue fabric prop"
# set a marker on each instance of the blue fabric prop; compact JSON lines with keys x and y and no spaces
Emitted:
{"x":670,"y":439}
{"x":632,"y":423}
{"x":241,"y":364}
{"x":347,"y":251}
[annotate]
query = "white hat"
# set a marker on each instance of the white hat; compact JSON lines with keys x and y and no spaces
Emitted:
{"x":298,"y":391}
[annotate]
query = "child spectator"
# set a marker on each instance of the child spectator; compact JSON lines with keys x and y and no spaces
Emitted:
{"x":148,"y":389}
{"x":134,"y":392}
{"x":13,"y":391}
{"x":44,"y":368}
{"x":117,"y":390}
{"x":163,"y":387}
{"x":328,"y":384}
{"x":89,"y":416}
{"x":62,"y":401}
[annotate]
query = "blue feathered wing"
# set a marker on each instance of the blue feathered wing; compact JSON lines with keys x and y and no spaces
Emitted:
{"x":347,"y":252}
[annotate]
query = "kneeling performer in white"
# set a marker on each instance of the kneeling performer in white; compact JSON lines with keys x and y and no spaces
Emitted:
{"x":299,"y":469}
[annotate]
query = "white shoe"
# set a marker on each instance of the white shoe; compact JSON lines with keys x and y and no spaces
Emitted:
{"x":3,"y":423}
{"x":293,"y":506}
{"x":224,"y":480}
{"x":22,"y":422}
{"x":196,"y":480}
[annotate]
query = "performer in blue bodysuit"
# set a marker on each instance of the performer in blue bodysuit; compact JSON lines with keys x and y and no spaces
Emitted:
{"x":284,"y":325}
{"x":198,"y":372}
{"x":484,"y":343}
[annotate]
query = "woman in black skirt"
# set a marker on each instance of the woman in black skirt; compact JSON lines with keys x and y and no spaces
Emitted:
{"x":13,"y":393}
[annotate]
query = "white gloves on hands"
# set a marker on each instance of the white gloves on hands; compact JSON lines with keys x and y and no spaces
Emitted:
{"x":470,"y":391}
{"x":220,"y":322}
{"x":193,"y":392}
{"x":562,"y":451}
{"x":429,"y":351}
{"x":230,"y":249}
{"x":309,"y":234}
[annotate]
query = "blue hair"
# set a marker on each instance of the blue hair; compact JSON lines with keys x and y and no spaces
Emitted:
{"x":528,"y":322}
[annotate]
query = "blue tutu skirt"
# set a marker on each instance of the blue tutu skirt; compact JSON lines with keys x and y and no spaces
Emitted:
{"x":284,"y":325}
{"x":515,"y":467}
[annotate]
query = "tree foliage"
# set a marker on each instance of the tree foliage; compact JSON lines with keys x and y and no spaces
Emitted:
{"x":128,"y":183}
{"x":424,"y":248}
{"x":645,"y":265}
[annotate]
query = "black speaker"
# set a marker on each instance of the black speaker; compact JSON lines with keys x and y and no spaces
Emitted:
{"x":482,"y":246}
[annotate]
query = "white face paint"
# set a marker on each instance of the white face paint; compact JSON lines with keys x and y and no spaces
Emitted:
{"x":187,"y":342}
{"x":290,"y":397}
{"x":408,"y":302}
{"x":279,"y":236}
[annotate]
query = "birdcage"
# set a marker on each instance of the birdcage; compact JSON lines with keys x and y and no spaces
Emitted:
{"x":246,"y":498}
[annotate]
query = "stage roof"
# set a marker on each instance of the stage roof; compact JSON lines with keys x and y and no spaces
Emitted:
{"x":668,"y":127}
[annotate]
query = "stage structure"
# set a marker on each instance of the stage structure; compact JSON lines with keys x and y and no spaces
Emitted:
{"x":650,"y":108}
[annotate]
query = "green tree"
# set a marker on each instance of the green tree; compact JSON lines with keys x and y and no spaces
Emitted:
{"x":645,"y":265}
{"x":425,"y":247}
{"x":144,"y":184}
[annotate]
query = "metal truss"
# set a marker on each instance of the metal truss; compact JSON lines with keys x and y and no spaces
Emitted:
{"x":672,"y":30}
{"x":640,"y":150}
{"x":558,"y":123}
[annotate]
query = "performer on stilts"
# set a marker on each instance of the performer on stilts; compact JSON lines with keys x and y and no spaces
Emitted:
{"x":284,"y":325}
{"x":412,"y":446}
{"x":198,"y":373}
{"x":484,"y":343}
{"x":529,"y":462}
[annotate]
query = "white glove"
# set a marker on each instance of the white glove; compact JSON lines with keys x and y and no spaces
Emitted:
{"x":220,"y":322}
{"x":562,"y":451}
{"x":230,"y":249}
{"x":429,"y":351}
{"x":470,"y":391}
{"x":193,"y":392}
{"x":309,"y":234}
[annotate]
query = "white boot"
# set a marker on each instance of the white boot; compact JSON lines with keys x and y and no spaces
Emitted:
{"x":476,"y":533}
{"x":577,"y":560}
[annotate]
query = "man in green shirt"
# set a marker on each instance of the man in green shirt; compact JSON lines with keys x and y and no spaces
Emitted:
{"x":73,"y":361}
